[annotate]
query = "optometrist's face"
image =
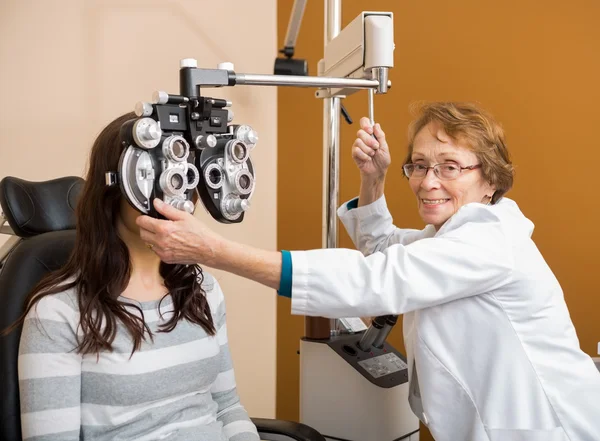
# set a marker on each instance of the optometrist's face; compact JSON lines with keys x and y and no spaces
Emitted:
{"x":439,"y":199}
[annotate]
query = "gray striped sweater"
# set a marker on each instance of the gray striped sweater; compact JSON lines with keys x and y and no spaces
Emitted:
{"x":179,"y":387}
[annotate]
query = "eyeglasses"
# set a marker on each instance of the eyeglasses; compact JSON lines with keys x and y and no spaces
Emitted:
{"x":445,"y":172}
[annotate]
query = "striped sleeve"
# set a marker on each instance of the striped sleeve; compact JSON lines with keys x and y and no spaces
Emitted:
{"x":237,"y":426}
{"x":50,"y":371}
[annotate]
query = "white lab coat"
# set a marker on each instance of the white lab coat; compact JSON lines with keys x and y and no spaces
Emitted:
{"x":492,"y":352}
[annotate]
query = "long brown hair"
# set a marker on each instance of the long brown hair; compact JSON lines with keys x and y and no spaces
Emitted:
{"x":99,"y":266}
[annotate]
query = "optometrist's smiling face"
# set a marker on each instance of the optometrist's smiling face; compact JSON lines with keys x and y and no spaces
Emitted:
{"x":439,"y":199}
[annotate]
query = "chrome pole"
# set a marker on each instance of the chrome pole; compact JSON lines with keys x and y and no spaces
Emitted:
{"x":320,"y":327}
{"x":331,"y":171}
{"x":331,"y":136}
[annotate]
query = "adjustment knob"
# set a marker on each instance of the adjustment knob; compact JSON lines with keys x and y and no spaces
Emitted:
{"x":226,"y":65}
{"x":251,"y":137}
{"x":209,"y":141}
{"x":146,"y":133}
{"x":143,"y":109}
{"x":244,"y":204}
{"x":183,"y":205}
{"x":188,"y":62}
{"x":160,"y":97}
{"x":247,"y":135}
{"x":235,"y":206}
{"x":152,"y":132}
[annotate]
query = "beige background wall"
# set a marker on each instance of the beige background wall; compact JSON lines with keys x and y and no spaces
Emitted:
{"x":535,"y":65}
{"x":68,"y":67}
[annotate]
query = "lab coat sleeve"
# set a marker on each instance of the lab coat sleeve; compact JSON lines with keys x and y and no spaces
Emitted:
{"x":371,"y":227}
{"x":470,"y":256}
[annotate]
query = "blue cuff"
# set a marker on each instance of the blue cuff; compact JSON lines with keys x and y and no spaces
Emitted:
{"x":352,"y":204}
{"x":285,"y":283}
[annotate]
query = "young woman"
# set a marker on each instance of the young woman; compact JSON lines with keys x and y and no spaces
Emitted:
{"x":118,"y":345}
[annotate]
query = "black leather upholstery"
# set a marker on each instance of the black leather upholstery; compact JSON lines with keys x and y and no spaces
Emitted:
{"x":25,"y":266}
{"x":289,"y":429}
{"x":38,"y":207}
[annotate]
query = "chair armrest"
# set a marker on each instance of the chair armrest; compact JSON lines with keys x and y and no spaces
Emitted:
{"x":281,"y":430}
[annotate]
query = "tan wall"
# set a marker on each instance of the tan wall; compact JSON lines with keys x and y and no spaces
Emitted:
{"x":535,"y":65}
{"x":67,"y":67}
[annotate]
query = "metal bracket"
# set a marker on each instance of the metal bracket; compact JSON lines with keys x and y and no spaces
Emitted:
{"x":111,"y":178}
{"x":5,"y":229}
{"x":326,"y":93}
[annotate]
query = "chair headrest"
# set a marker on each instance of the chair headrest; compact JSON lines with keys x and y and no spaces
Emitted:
{"x":33,"y":208}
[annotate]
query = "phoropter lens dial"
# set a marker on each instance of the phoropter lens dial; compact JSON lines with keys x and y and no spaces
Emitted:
{"x":173,"y":181}
{"x":244,"y":182}
{"x":193,"y":176}
{"x":213,"y":176}
{"x":176,"y":148}
{"x":237,"y":151}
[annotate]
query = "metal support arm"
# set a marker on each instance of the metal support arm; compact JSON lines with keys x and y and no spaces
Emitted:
{"x":194,"y":77}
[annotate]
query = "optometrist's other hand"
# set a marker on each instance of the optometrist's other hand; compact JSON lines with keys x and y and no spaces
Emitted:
{"x":371,"y":155}
{"x":182,"y":238}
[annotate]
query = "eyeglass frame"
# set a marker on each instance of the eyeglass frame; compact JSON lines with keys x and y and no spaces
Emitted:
{"x":434,"y":168}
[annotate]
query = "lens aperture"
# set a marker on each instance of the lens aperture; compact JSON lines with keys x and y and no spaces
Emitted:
{"x":176,"y":148}
{"x":244,"y":182}
{"x":177,"y":182}
{"x":173,"y":181}
{"x":179,"y":149}
{"x":237,"y":150}
{"x":192,"y":175}
{"x":215,"y":176}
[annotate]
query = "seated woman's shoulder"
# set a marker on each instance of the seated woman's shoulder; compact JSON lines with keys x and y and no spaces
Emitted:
{"x":211,"y":287}
{"x":61,"y":305}
{"x":207,"y":280}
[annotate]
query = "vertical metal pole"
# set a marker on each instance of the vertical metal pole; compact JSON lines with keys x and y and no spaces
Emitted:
{"x":331,"y":138}
{"x":319,"y":327}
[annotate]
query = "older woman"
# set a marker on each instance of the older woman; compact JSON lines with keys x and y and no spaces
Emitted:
{"x":492,"y":352}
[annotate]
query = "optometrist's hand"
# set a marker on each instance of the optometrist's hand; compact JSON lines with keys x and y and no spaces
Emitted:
{"x":371,"y":155}
{"x":182,"y":238}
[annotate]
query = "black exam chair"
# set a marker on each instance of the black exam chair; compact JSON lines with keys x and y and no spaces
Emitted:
{"x":41,"y":215}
